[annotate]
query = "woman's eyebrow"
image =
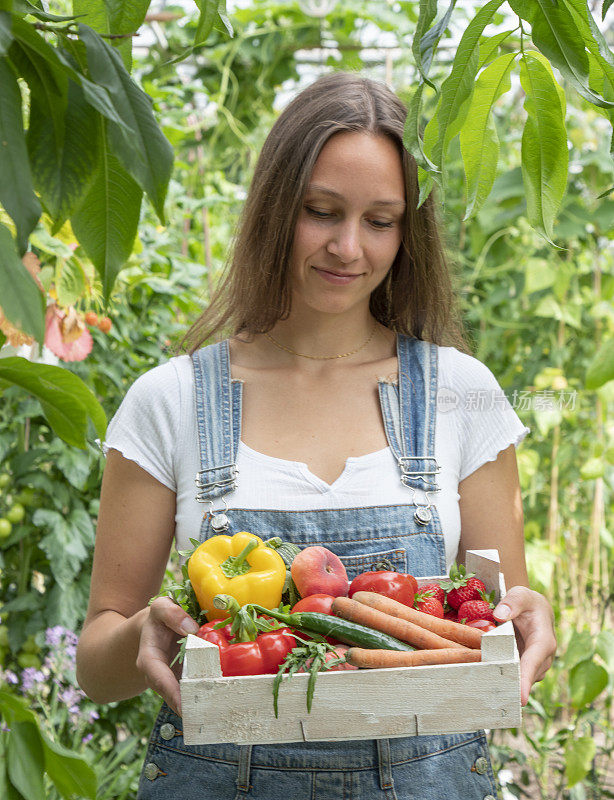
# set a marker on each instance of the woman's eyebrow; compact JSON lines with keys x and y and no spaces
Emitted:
{"x":324,"y":190}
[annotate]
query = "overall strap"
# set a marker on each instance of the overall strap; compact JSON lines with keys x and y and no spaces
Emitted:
{"x":409,"y":412}
{"x":218,"y":417}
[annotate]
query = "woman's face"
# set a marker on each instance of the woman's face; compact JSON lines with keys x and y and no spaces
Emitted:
{"x":350,"y":226}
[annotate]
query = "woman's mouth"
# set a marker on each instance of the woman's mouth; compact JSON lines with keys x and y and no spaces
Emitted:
{"x":338,"y":278}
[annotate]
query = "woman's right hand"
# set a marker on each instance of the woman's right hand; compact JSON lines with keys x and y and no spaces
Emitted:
{"x":158,"y":647}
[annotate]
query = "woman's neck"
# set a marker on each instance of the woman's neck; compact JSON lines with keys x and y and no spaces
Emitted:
{"x":318,"y":335}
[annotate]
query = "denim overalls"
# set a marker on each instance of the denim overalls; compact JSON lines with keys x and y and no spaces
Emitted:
{"x":447,"y":767}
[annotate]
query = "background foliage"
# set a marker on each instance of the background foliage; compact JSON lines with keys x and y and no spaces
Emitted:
{"x":540,"y":315}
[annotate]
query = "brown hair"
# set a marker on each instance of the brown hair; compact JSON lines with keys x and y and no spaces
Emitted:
{"x":416,"y":297}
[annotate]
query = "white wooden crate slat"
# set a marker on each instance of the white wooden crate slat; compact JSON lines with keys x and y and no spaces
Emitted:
{"x":404,"y":701}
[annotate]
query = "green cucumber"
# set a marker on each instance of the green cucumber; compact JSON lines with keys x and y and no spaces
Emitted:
{"x":345,"y":631}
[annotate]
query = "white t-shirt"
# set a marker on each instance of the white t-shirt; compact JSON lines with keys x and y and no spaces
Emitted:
{"x":155,"y":426}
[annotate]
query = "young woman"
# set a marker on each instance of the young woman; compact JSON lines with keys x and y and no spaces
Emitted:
{"x":318,"y":421}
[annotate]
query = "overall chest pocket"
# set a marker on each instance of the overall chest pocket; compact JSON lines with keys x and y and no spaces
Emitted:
{"x":357,"y":563}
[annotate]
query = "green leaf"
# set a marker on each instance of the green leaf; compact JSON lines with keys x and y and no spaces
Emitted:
{"x":144,"y":152}
{"x":422,"y":57}
{"x":66,"y":401}
{"x":557,"y":35}
{"x":6,"y":32}
{"x":16,"y":191}
{"x":107,"y":221}
{"x":206,"y":19}
{"x":70,"y":281}
{"x":601,"y":368}
{"x":71,"y":774}
{"x":579,"y":754}
{"x":605,"y":8}
{"x":65,"y":551}
{"x":114,"y":17}
{"x":25,"y":7}
{"x":580,"y":647}
{"x":411,"y":133}
{"x":591,"y":469}
{"x":222,"y":14}
{"x":63,"y":160}
{"x":544,"y":143}
{"x":489,"y":46}
{"x":478,"y":137}
{"x":586,"y":682}
{"x":26,"y":763}
{"x":75,"y":465}
{"x":539,"y":274}
{"x":22,"y":301}
{"x":458,"y":87}
{"x":604,"y":645}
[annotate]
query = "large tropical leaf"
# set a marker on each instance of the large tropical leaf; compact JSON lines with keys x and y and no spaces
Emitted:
{"x":16,"y":190}
{"x":144,"y":152}
{"x":107,"y":221}
{"x":64,"y":160}
{"x":53,"y":65}
{"x":114,"y":17}
{"x":21,"y":300}
{"x":66,"y":401}
{"x":478,"y":138}
{"x":544,"y":142}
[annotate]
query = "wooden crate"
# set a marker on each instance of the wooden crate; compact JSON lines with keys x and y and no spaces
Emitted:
{"x":361,"y":704}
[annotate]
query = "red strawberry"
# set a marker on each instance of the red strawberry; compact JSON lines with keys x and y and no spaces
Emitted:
{"x":430,"y":605}
{"x":484,"y":625}
{"x":451,"y":613}
{"x":462,"y":586}
{"x":476,"y":609}
{"x":435,"y":591}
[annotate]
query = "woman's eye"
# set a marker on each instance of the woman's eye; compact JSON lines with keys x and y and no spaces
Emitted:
{"x":379,"y":224}
{"x":318,"y":214}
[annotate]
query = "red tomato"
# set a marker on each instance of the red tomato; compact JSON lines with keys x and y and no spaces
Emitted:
{"x":274,"y":647}
{"x":249,"y":658}
{"x":397,"y":585}
{"x":315,"y":602}
{"x":481,"y":624}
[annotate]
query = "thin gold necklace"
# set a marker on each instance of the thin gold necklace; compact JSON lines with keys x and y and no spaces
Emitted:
{"x":324,"y":358}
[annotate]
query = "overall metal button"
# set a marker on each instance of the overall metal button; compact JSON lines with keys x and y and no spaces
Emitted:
{"x":167,"y":731}
{"x":481,"y":766}
{"x":152,"y":771}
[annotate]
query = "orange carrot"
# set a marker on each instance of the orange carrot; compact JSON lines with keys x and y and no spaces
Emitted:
{"x":469,"y":637}
{"x":408,"y":632}
{"x":375,"y":659}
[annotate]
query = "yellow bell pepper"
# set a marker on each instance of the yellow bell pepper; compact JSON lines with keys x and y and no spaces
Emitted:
{"x":241,"y":566}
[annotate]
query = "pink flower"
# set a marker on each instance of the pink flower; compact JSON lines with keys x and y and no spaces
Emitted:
{"x":66,"y":335}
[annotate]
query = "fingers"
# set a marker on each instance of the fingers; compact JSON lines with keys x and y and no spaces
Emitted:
{"x":515,"y":601}
{"x":165,"y":611}
{"x":158,"y":645}
{"x":534,"y":624}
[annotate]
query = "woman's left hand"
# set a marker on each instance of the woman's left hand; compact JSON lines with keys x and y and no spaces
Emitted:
{"x":533,"y":620}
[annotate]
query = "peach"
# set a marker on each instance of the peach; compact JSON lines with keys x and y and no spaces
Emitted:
{"x":315,"y":570}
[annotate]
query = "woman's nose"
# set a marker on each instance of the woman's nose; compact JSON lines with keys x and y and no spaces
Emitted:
{"x":345,"y":241}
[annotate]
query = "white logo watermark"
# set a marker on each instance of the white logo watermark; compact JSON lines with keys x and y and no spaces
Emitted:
{"x":491,"y":399}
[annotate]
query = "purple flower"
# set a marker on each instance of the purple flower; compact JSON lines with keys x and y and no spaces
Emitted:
{"x":87,"y":738}
{"x":71,"y":697}
{"x":10,"y":677}
{"x":31,"y":678}
{"x":93,"y":716}
{"x":53,"y":636}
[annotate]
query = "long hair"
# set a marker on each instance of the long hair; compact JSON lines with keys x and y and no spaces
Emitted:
{"x":254,"y":292}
